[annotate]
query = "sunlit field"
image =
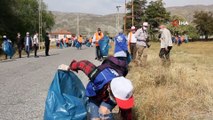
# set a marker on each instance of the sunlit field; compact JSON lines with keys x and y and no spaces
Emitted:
{"x":180,"y":90}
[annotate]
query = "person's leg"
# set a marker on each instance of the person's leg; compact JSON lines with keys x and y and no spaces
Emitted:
{"x":139,"y":54}
{"x":162,"y":55}
{"x":144,"y":58}
{"x":134,"y":51}
{"x":28,"y":51}
{"x":105,"y":110}
{"x":168,"y":53}
{"x":131,"y":49}
{"x":93,"y":110}
{"x":99,"y":53}
{"x":34,"y":50}
{"x":19,"y":52}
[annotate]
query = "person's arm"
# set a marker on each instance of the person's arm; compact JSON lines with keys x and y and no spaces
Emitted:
{"x":94,"y":38}
{"x":84,"y":65}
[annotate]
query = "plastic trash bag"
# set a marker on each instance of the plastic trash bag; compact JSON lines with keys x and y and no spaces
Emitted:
{"x":8,"y":48}
{"x":66,"y":98}
{"x":77,"y":44}
{"x":88,"y":44}
{"x":104,"y":46}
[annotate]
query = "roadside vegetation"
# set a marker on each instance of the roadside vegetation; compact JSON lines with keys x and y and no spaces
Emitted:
{"x":182,"y":90}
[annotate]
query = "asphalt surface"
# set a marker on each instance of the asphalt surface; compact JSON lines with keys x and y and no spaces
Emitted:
{"x":24,"y":82}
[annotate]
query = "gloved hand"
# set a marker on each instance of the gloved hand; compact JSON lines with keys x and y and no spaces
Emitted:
{"x":73,"y":66}
{"x":63,"y":67}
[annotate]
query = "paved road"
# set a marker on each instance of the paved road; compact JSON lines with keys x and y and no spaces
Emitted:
{"x":24,"y":82}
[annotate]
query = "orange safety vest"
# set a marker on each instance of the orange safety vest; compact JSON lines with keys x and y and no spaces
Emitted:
{"x":130,"y":37}
{"x":98,"y":37}
{"x":67,"y":40}
{"x":80,"y":39}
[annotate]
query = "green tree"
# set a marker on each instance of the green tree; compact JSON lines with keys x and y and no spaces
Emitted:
{"x":138,"y":12}
{"x":204,"y":23}
{"x":156,"y":14}
{"x":22,"y":16}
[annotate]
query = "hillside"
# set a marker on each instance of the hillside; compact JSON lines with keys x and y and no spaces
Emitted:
{"x":88,"y":23}
{"x":188,"y":11}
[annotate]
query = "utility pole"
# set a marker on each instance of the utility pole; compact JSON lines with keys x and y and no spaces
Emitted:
{"x":125,"y":18}
{"x":118,"y":24}
{"x":40,"y":24}
{"x":132,"y":13}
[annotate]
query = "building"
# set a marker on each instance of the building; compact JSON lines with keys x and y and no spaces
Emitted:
{"x":58,"y":35}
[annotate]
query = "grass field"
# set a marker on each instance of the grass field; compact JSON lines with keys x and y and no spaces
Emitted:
{"x":182,"y":90}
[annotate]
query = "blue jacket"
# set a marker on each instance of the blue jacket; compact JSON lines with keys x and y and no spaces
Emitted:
{"x":120,"y":43}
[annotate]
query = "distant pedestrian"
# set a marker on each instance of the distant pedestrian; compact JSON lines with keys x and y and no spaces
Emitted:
{"x":7,"y":47}
{"x":142,"y":37}
{"x":132,"y":42}
{"x":98,"y":36}
{"x":166,"y":43}
{"x":80,"y":41}
{"x":47,"y":44}
{"x":28,"y":43}
{"x":20,"y":44}
{"x":36,"y":44}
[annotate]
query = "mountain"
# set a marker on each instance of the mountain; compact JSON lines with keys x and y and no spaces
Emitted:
{"x":88,"y":23}
{"x":187,"y":12}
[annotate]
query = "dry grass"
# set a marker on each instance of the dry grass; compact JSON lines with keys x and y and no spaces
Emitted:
{"x":182,"y":90}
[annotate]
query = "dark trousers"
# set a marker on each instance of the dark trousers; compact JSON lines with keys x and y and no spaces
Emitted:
{"x":47,"y":47}
{"x":98,"y":52}
{"x":165,"y":54}
{"x":133,"y":50}
{"x":35,"y":50}
{"x":19,"y":51}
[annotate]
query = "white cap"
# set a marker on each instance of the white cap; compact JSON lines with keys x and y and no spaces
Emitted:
{"x":27,"y":33}
{"x":122,"y":90}
{"x":4,"y":36}
{"x":133,"y":28}
{"x":145,"y":23}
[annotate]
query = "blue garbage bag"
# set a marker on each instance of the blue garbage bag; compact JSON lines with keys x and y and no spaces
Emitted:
{"x":77,"y":44}
{"x":104,"y":45}
{"x":88,"y":44}
{"x":8,"y":48}
{"x":66,"y":98}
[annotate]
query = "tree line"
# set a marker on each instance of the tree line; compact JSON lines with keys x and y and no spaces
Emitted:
{"x":155,"y":14}
{"x":23,"y":16}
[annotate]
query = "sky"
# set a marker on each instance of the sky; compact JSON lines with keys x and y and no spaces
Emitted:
{"x":103,"y":7}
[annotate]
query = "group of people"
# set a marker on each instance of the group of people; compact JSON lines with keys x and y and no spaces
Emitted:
{"x":107,"y":85}
{"x":27,"y":43}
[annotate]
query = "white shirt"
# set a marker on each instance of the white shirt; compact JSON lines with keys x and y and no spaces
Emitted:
{"x":131,"y":38}
{"x":35,"y":39}
{"x":166,"y":38}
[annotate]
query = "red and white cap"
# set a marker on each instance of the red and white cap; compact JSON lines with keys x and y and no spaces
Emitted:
{"x":122,"y":90}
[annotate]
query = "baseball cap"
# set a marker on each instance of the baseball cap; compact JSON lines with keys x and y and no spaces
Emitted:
{"x":122,"y":90}
{"x":4,"y":36}
{"x":145,"y":23}
{"x":133,"y":28}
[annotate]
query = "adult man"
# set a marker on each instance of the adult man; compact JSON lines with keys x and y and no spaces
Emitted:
{"x":47,"y":44}
{"x":20,"y":43}
{"x":166,"y":43}
{"x":106,"y":88}
{"x":98,"y":36}
{"x":36,"y":44}
{"x":28,"y":43}
{"x":132,"y":42}
{"x":141,"y":35}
